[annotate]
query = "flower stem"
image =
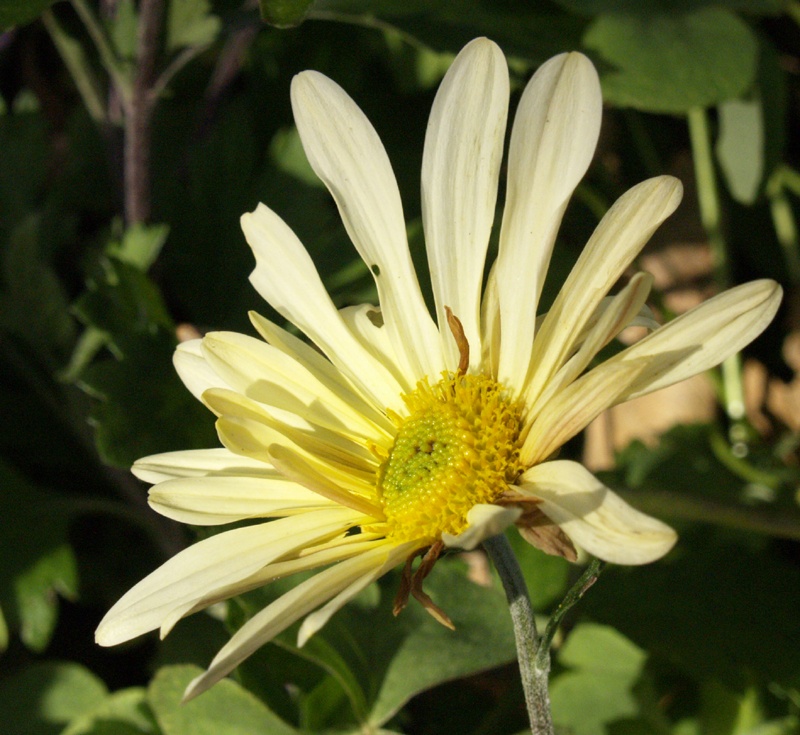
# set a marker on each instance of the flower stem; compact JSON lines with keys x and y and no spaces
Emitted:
{"x":708,"y":199}
{"x":534,"y":665}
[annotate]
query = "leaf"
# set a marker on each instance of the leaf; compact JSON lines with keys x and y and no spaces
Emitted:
{"x":226,"y":709}
{"x":413,"y":652}
{"x":19,"y":12}
{"x":698,"y":611}
{"x":285,"y":13}
{"x":647,"y":7}
{"x":604,"y":666}
{"x":143,"y":406}
{"x":122,"y":713}
{"x":190,"y":23}
{"x":740,"y":147}
{"x":33,"y":304}
{"x":545,"y":576}
{"x":672,"y":63}
{"x":36,"y":566}
{"x":44,"y":697}
{"x":139,"y":245}
{"x":534,"y":31}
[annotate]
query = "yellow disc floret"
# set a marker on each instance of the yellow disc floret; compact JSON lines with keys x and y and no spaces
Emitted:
{"x":459,"y":446}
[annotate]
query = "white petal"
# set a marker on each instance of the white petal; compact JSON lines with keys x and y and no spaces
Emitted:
{"x":346,"y":153}
{"x":572,"y":409}
{"x":278,"y":616}
{"x":594,"y":517}
{"x":701,"y":338}
{"x":552,"y":143}
{"x":223,"y":559}
{"x":365,"y":321}
{"x":268,"y":375}
{"x":197,"y":375}
{"x":618,"y":313}
{"x":198,"y":463}
{"x":460,"y":170}
{"x":286,"y":277}
{"x":484,"y":522}
{"x":323,"y":370}
{"x":616,"y":241}
{"x":209,"y":501}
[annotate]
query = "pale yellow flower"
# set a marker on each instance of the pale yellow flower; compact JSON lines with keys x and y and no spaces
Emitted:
{"x":400,"y":433}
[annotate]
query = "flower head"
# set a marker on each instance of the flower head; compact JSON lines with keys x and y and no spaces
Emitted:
{"x":397,"y":434}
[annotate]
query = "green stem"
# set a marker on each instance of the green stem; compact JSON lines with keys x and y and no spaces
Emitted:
{"x":783,"y":219}
{"x":708,"y":199}
{"x":534,"y":665}
{"x":586,"y":580}
{"x":74,"y":59}
{"x":107,"y":55}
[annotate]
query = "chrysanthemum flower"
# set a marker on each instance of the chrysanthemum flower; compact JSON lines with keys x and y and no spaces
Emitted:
{"x":395,"y":434}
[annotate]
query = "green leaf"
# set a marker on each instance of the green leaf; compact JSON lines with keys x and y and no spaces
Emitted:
{"x":19,"y":12}
{"x":125,"y":712}
{"x":44,"y":697}
{"x":285,"y":13}
{"x":226,"y":709}
{"x":143,"y":406}
{"x":190,"y":23}
{"x":740,"y":147}
{"x":413,"y":652}
{"x":33,"y":304}
{"x":604,"y":666}
{"x":36,"y":566}
{"x":534,"y":31}
{"x":726,"y":712}
{"x":648,"y":7}
{"x":139,"y":245}
{"x":545,"y":576}
{"x":671,"y":63}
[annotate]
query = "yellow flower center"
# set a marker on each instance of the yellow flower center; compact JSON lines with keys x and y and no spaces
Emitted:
{"x":458,"y":447}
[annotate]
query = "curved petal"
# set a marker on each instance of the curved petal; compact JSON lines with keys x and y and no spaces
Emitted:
{"x":484,"y":522}
{"x":460,"y":170}
{"x":211,"y":501}
{"x":286,"y":277}
{"x":198,"y":463}
{"x":197,"y":375}
{"x":321,"y":368}
{"x":266,"y":374}
{"x":701,"y":338}
{"x":299,"y":601}
{"x":220,"y":560}
{"x":346,"y":153}
{"x":616,"y":241}
{"x":593,"y":516}
{"x":552,"y":143}
{"x":621,"y":310}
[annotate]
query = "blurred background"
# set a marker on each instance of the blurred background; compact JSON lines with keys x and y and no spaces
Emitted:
{"x":132,"y":138}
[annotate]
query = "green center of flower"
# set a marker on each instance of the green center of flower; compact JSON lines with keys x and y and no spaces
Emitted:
{"x":458,"y":447}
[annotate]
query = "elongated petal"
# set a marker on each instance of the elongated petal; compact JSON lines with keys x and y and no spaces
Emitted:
{"x":571,"y":410}
{"x":197,"y":375}
{"x":619,"y":237}
{"x":484,"y":522}
{"x":460,"y":170}
{"x":700,"y":338}
{"x":618,"y":314}
{"x":346,"y":153}
{"x":223,"y":559}
{"x":321,"y":368}
{"x":210,"y":501}
{"x":552,"y":143}
{"x":284,"y":270}
{"x":198,"y":463}
{"x":298,"y":468}
{"x":594,"y":517}
{"x":278,"y":616}
{"x":267,"y":375}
